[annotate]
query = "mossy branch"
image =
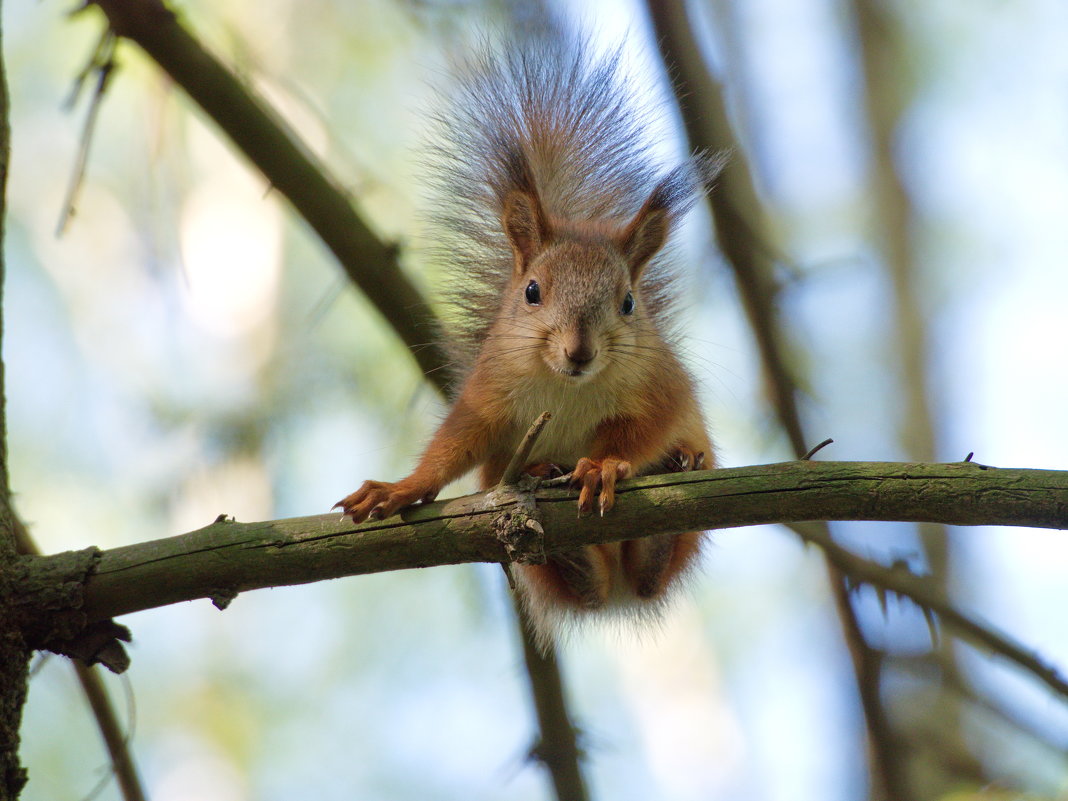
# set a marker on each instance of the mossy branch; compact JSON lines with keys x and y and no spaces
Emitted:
{"x":226,"y":557}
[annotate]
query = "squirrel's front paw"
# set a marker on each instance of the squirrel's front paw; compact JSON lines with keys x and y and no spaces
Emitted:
{"x":598,"y":477}
{"x":376,"y":500}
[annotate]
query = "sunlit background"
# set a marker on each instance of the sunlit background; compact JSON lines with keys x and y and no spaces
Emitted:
{"x":185,"y":348}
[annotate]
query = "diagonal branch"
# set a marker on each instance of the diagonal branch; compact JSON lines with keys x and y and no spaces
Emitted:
{"x":115,"y":739}
{"x":558,"y":748}
{"x":267,"y":142}
{"x":742,"y":231}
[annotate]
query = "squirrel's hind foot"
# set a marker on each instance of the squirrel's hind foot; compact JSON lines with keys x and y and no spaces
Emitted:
{"x":682,"y":459}
{"x":544,"y":470}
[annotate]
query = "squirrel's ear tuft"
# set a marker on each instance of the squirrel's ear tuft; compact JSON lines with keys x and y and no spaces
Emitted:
{"x":525,"y":226}
{"x":669,"y":200}
{"x":645,"y":235}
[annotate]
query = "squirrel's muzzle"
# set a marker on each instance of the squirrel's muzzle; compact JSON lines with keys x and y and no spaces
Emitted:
{"x":578,"y":350}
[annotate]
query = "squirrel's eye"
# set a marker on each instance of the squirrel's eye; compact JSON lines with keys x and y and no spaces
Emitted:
{"x":628,"y":304}
{"x":533,"y":294}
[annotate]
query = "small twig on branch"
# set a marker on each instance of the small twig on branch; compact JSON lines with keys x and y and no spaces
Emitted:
{"x":816,"y":449}
{"x":522,"y":453}
{"x":511,"y":476}
{"x":103,"y":63}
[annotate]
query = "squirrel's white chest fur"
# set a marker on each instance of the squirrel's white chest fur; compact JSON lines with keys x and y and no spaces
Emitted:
{"x":577,"y":409}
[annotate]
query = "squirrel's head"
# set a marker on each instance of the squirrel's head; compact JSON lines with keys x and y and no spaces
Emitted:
{"x":574,"y":288}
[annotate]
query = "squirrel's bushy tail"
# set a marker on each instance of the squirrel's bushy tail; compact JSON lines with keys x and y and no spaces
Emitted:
{"x":550,"y":111}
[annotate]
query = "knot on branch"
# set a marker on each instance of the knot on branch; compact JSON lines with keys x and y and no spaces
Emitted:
{"x":518,"y":526}
{"x":46,"y":597}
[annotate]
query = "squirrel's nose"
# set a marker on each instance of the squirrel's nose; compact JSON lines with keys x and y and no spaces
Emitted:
{"x":580,"y":354}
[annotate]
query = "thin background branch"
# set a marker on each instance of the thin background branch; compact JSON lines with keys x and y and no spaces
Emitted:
{"x":744,"y":239}
{"x":887,"y":83}
{"x":102,"y":63}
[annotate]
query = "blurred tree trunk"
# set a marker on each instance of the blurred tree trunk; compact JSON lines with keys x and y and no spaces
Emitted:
{"x":887,"y":88}
{"x":14,"y":655}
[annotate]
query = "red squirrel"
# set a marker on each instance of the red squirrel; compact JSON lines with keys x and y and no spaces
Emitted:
{"x":555,"y":219}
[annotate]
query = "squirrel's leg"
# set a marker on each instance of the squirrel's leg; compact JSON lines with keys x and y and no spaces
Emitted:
{"x":650,"y":564}
{"x":461,"y":441}
{"x":577,"y":578}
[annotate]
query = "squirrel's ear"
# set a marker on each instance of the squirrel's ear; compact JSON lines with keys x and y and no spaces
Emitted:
{"x":670,"y":198}
{"x":645,"y":235}
{"x":525,"y":225}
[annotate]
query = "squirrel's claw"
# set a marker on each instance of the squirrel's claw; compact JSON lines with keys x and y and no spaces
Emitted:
{"x":377,"y":500}
{"x":598,"y":477}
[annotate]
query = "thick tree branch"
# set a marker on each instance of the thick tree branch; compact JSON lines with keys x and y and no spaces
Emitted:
{"x":228,"y":557}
